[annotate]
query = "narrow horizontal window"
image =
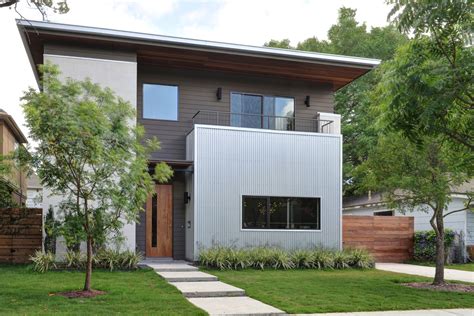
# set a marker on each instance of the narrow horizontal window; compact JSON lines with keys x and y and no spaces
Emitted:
{"x":281,"y":213}
{"x":160,"y":102}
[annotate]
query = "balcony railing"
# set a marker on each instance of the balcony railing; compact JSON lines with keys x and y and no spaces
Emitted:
{"x":272,"y":122}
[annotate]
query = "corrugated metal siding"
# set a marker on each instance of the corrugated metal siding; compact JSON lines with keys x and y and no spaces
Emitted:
{"x":197,"y":91}
{"x":233,"y":162}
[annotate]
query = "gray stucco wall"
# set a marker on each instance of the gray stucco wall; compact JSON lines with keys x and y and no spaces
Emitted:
{"x":116,"y":70}
{"x":231,"y":162}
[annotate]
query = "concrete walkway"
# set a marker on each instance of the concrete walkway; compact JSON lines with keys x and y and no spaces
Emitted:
{"x":427,"y":312}
{"x":449,"y":274}
{"x":206,"y":292}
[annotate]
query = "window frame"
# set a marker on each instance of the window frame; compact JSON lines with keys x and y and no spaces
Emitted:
{"x":242,"y":229}
{"x":263,"y":97}
{"x":160,"y":84}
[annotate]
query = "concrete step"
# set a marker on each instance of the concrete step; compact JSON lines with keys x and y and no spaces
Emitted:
{"x":187,"y":276}
{"x":208,"y":289}
{"x":172,"y":267}
{"x":241,"y":305}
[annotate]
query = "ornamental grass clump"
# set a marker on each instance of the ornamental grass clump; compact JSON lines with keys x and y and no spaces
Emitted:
{"x":232,"y":258}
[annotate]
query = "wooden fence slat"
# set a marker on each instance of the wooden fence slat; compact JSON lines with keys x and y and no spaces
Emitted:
{"x":387,"y":238}
{"x":21,"y":234}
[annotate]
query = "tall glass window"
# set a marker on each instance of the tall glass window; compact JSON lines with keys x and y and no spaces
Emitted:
{"x":281,"y":213}
{"x":160,"y":102}
{"x":258,"y":111}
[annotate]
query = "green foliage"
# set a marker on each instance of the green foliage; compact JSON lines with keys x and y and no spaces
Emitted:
{"x":75,"y":259}
{"x":428,"y":88}
{"x":88,"y":152}
{"x":43,"y":261}
{"x":284,"y":43}
{"x":425,"y":244}
{"x":229,"y":258}
{"x":71,"y":229}
{"x":353,"y":102}
{"x":51,"y":231}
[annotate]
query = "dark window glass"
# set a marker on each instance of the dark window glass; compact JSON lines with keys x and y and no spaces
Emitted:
{"x":256,"y":217}
{"x":160,"y":102}
{"x":281,"y":213}
{"x":262,"y":111}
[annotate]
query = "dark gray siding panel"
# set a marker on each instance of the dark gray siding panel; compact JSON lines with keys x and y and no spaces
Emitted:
{"x":197,"y":91}
{"x":178,"y":220}
{"x":178,"y":216}
{"x":140,"y":230}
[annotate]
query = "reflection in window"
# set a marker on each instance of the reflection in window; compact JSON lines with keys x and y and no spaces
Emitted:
{"x":160,"y":102}
{"x":281,"y":213}
{"x":257,"y":111}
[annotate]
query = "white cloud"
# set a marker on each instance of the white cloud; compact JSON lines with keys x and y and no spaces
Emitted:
{"x":241,"y":21}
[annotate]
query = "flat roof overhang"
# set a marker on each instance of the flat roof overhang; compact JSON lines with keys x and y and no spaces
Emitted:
{"x":177,"y":52}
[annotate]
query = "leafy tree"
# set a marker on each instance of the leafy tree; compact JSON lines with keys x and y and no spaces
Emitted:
{"x":348,"y":37}
{"x":436,"y":68}
{"x":420,"y":176}
{"x":88,"y":152}
{"x":42,"y":6}
{"x":284,"y":43}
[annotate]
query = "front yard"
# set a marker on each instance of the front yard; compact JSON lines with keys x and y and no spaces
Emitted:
{"x":312,"y":291}
{"x":24,"y":292}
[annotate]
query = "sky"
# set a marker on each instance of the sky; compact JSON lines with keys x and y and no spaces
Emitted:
{"x":251,"y":22}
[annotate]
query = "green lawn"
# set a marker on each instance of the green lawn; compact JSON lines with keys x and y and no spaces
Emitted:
{"x":24,"y":292}
{"x":312,"y":291}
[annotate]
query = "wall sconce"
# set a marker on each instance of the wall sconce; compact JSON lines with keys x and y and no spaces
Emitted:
{"x":187,"y":198}
{"x":307,"y":101}
{"x":219,"y":94}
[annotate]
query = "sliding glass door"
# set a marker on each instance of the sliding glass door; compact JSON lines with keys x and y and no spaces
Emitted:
{"x":257,"y":111}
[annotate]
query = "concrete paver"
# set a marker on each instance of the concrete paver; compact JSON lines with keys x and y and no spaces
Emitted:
{"x":427,"y":312}
{"x":449,"y":274}
{"x":208,"y":289}
{"x":187,"y":276}
{"x":242,"y":305}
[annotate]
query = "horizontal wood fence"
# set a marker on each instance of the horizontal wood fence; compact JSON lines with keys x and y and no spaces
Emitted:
{"x":20,"y":233}
{"x":387,"y":238}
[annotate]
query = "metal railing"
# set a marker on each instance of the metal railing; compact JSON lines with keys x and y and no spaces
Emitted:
{"x":282,"y":123}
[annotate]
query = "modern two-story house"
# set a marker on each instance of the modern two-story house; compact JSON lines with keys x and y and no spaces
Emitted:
{"x":250,"y":133}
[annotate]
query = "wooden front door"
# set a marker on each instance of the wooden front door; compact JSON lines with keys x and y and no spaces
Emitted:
{"x":159,"y":222}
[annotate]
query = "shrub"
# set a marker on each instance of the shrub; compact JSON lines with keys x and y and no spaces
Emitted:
{"x":51,"y":230}
{"x":116,"y":260}
{"x":75,"y":259}
{"x":425,"y":244}
{"x":43,"y":261}
{"x":230,"y":258}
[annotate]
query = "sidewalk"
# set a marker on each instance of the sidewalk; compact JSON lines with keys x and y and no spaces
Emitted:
{"x":427,"y":312}
{"x":449,"y":274}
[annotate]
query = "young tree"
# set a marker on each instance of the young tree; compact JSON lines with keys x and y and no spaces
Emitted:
{"x":420,"y":176}
{"x":88,"y":152}
{"x":59,"y":6}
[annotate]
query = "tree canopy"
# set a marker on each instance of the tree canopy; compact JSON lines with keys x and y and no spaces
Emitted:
{"x":88,"y":152}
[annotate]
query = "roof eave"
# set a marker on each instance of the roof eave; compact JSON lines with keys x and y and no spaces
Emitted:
{"x":134,"y":37}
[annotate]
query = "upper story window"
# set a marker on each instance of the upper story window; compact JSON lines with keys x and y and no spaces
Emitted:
{"x":258,"y":111}
{"x":160,"y":102}
{"x":271,"y":212}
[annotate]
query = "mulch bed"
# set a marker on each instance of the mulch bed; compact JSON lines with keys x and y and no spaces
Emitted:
{"x":80,"y":294}
{"x":447,"y":287}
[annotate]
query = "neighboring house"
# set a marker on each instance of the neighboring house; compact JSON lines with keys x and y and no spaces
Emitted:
{"x":250,"y":133}
{"x":11,"y":138}
{"x":460,"y":222}
{"x":34,"y":195}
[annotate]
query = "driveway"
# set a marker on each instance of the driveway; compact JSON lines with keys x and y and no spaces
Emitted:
{"x":449,"y":274}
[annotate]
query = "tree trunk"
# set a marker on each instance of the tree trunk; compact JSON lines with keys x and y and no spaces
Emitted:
{"x":439,"y":273}
{"x":87,"y":284}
